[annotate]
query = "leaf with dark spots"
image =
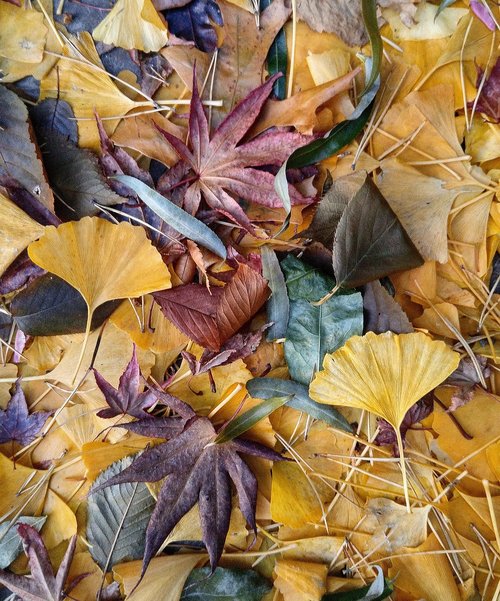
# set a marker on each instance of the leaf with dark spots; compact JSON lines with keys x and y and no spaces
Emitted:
{"x":194,"y":21}
{"x":43,"y":585}
{"x":382,"y":312}
{"x":196,"y":470}
{"x":18,"y":154}
{"x":126,"y":399}
{"x":223,"y":168}
{"x":489,"y":97}
{"x":16,"y":423}
{"x":210,"y":319}
{"x":49,"y":306}
{"x":419,"y":411}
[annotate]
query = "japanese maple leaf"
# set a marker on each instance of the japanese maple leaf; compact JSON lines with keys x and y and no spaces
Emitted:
{"x":43,"y":585}
{"x":126,"y":399}
{"x":196,"y":470}
{"x":16,"y":424}
{"x":221,"y":169}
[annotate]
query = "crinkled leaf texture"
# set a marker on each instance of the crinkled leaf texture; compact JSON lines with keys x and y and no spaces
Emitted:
{"x":225,"y":584}
{"x":122,"y":512}
{"x":43,"y":585}
{"x":223,"y":168}
{"x":210,"y":319}
{"x":196,"y":470}
{"x":16,"y":424}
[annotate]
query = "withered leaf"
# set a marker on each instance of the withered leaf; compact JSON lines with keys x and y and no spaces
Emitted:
{"x":221,"y":169}
{"x":197,"y":471}
{"x":342,"y":17}
{"x":465,"y":378}
{"x":194,"y":21}
{"x":16,"y":423}
{"x":43,"y":585}
{"x":382,"y":312}
{"x":126,"y":399}
{"x":370,"y":242}
{"x":212,"y":318}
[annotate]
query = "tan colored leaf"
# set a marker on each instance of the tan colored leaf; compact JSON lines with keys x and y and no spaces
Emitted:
{"x":342,"y":17}
{"x":17,"y":230}
{"x":427,"y":26}
{"x":132,"y":24}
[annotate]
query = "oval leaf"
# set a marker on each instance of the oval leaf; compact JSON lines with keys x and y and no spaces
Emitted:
{"x":264,"y":388}
{"x":183,"y":222}
{"x":225,"y":584}
{"x":106,"y":521}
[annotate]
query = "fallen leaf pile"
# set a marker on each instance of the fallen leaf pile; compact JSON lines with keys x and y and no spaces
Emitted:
{"x":249,"y":300}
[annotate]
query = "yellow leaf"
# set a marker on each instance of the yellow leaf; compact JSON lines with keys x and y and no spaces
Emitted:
{"x":86,"y":589}
{"x":300,"y":580}
{"x":61,"y":521}
{"x":432,"y":319}
{"x":163,"y":580}
{"x":103,"y":261}
{"x":132,"y":24}
{"x":17,"y":230}
{"x":14,"y":495}
{"x":427,"y":26}
{"x":384,"y":374}
{"x":22,"y":35}
{"x":97,"y":456}
{"x":328,"y":65}
{"x":424,"y":574}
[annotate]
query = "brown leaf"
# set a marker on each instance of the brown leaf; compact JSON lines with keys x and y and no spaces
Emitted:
{"x":342,"y":17}
{"x":212,"y":318}
{"x":382,"y":312}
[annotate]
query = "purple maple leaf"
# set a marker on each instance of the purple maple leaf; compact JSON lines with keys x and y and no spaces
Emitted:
{"x":488,"y":102}
{"x":126,"y":399}
{"x":222,"y":168}
{"x":16,"y":424}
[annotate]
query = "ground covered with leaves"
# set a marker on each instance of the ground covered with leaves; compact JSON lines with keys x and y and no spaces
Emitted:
{"x":249,"y":300}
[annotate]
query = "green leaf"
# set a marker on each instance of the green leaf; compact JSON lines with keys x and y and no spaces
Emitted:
{"x":443,"y":4}
{"x":10,"y":542}
{"x":183,"y":222}
{"x":370,"y":242}
{"x":277,"y":58}
{"x":378,"y":590}
{"x":369,"y":10}
{"x":264,"y":388}
{"x":49,"y":306}
{"x":225,"y":584}
{"x":247,"y":420}
{"x":277,"y":305}
{"x":314,"y":330}
{"x":108,"y":532}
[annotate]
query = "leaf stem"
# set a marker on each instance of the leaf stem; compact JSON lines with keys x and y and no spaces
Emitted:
{"x":328,"y":296}
{"x":403,"y":468}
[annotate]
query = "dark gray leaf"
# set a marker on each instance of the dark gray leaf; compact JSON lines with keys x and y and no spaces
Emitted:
{"x":53,"y":115}
{"x":105,"y":512}
{"x":264,"y":388}
{"x":382,"y":312}
{"x":50,"y":307}
{"x":225,"y":584}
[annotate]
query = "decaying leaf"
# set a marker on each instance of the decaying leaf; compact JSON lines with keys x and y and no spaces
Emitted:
{"x":211,"y":318}
{"x":197,"y":470}
{"x":343,"y":18}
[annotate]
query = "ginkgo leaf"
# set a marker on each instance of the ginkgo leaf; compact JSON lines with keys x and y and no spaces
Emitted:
{"x":23,"y":34}
{"x":132,"y":24}
{"x":17,"y":230}
{"x":103,"y":261}
{"x":384,"y":374}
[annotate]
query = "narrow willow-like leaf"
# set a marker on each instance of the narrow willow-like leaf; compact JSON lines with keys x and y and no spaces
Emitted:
{"x":369,"y":9}
{"x":277,"y":58}
{"x":265,"y":388}
{"x":183,"y":222}
{"x":278,"y":306}
{"x":247,"y":420}
{"x":443,"y":4}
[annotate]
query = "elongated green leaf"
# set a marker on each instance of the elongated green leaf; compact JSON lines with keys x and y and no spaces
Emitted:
{"x":314,"y":330}
{"x":183,"y":222}
{"x":369,"y":9}
{"x":277,"y":58}
{"x":370,"y":242}
{"x":278,"y":305}
{"x":264,"y":388}
{"x":105,"y":518}
{"x":247,"y":420}
{"x":10,"y":542}
{"x":225,"y":584}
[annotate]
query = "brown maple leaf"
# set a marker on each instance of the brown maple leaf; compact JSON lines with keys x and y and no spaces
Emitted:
{"x":222,"y":168}
{"x":196,"y":470}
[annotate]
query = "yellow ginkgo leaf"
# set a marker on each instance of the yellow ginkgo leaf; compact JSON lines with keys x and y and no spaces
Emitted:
{"x":23,"y":34}
{"x":103,"y":261}
{"x":17,"y":230}
{"x":133,"y":24}
{"x":384,"y":374}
